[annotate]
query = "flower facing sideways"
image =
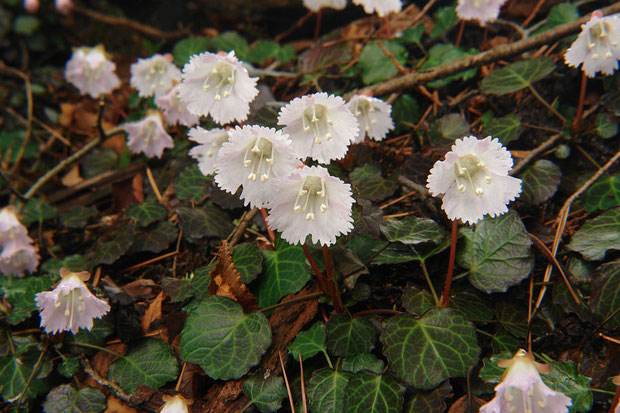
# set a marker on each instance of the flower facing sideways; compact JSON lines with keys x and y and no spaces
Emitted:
{"x":597,"y":46}
{"x":382,"y":7}
{"x":217,"y":84}
{"x":91,"y":72}
{"x":70,"y":306}
{"x":148,"y":136}
{"x":320,"y":126}
{"x":316,"y":5}
{"x":174,"y":404}
{"x":210,"y":143}
{"x":155,"y":75}
{"x":311,"y":202}
{"x":174,"y":109}
{"x":523,"y":391}
{"x":373,"y":115}
{"x":18,"y":252}
{"x":474,"y":179}
{"x":482,"y":10}
{"x":253,"y":156}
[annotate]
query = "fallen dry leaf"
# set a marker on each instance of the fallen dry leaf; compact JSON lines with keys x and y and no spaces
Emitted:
{"x":152,"y":313}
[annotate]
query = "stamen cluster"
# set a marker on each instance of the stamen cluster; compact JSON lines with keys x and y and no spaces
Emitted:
{"x":154,"y":76}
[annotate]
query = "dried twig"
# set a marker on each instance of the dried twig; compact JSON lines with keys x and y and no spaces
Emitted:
{"x":534,"y":153}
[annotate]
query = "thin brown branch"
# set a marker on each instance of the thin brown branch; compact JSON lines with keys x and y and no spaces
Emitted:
{"x":534,"y":153}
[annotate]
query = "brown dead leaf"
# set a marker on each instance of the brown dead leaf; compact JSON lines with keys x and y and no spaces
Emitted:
{"x":462,"y":405}
{"x":226,"y":281}
{"x":72,"y":177}
{"x":118,"y":406}
{"x":141,"y":290}
{"x":152,"y":313}
{"x":116,"y":142}
{"x":101,"y":361}
{"x":66,"y":114}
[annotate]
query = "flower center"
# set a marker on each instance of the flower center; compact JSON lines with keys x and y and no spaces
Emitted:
{"x":364,"y":108}
{"x":315,"y":118}
{"x":471,"y":172}
{"x":599,"y":41}
{"x":72,"y":301}
{"x":218,"y":143}
{"x":158,"y":72}
{"x":148,"y":131}
{"x":261,"y":149}
{"x":221,"y":78}
{"x":480,"y":3}
{"x":311,"y":192}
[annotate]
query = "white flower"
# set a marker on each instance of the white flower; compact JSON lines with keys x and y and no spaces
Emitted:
{"x":316,"y":5}
{"x":64,"y":6}
{"x":311,"y":202}
{"x":219,"y":85}
{"x":251,"y":158}
{"x":320,"y":126}
{"x":154,"y":76}
{"x":482,"y":10}
{"x":91,"y":72}
{"x":597,"y":46}
{"x":175,"y":110}
{"x":382,"y":7}
{"x":18,"y":252}
{"x":174,"y":404}
{"x":206,"y":153}
{"x":373,"y":116}
{"x":148,"y":136}
{"x":32,"y":6}
{"x":70,"y":306}
{"x":474,"y":179}
{"x":523,"y":391}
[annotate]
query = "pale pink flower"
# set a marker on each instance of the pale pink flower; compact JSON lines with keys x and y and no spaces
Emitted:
{"x":382,"y":7}
{"x":523,"y":391}
{"x":474,"y":179}
{"x":18,"y":255}
{"x":91,"y":72}
{"x":174,"y":404}
{"x":597,"y":46}
{"x":316,"y":5}
{"x":217,"y":84}
{"x":148,"y":136}
{"x":374,"y":117}
{"x":70,"y":306}
{"x":32,"y":6}
{"x":311,"y":202}
{"x":64,"y":6}
{"x":482,"y":10}
{"x":211,"y":142}
{"x":175,"y":110}
{"x":252,"y":157}
{"x":155,"y":75}
{"x":321,"y":126}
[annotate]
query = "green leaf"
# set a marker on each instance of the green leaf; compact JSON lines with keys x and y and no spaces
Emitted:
{"x":192,"y":184}
{"x":517,"y":76}
{"x":413,"y":230}
{"x":286,"y":53}
{"x":185,"y":48}
{"x":413,"y":35}
{"x":73,"y":263}
{"x":151,"y":364}
{"x":559,"y":14}
{"x":309,"y":342}
{"x":606,"y":127}
{"x":598,"y":235}
{"x":147,"y":212}
{"x":285,"y":273}
{"x":69,"y":367}
{"x":194,"y":285}
{"x":504,"y":342}
{"x":66,"y":399}
{"x":155,"y":239}
{"x":428,"y":350}
{"x":248,"y":261}
{"x":605,"y":298}
{"x":490,"y":371}
{"x":416,"y":301}
{"x":20,"y":293}
{"x":405,"y":109}
{"x":370,"y":184}
{"x":207,"y":221}
{"x":472,"y":306}
{"x":604,"y":194}
{"x":265,"y":394}
{"x":224,"y":341}
{"x":98,"y":161}
{"x":497,"y":253}
{"x":442,"y":53}
{"x":368,"y":392}
{"x":102,"y":328}
{"x":513,"y":319}
{"x":566,"y":378}
{"x":430,"y":401}
{"x":25,"y":25}
{"x":229,"y":41}
{"x":263,"y":49}
{"x":37,"y":210}
{"x":326,"y":391}
{"x":77,"y":217}
{"x":16,"y":369}
{"x":506,"y":128}
{"x":540,"y":181}
{"x":444,"y":18}
{"x":375,"y":65}
{"x":109,"y":252}
{"x":362,"y":361}
{"x":347,"y":336}
{"x":453,"y":126}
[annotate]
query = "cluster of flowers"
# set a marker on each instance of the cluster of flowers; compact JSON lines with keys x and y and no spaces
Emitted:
{"x":18,"y":255}
{"x":381,"y":7}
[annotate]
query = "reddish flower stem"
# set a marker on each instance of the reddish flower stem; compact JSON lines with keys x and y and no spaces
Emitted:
{"x":334,"y":290}
{"x":315,"y":268}
{"x":445,"y":298}
{"x":576,"y":126}
{"x":460,"y":35}
{"x":317,"y":28}
{"x":272,"y":236}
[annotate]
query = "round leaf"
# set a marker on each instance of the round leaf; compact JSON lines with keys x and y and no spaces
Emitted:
{"x":347,"y":336}
{"x":517,"y":76}
{"x":309,"y":342}
{"x":413,"y":230}
{"x":66,"y":399}
{"x":540,"y":181}
{"x":265,"y":394}
{"x":326,"y":390}
{"x":598,"y":235}
{"x":368,"y":392}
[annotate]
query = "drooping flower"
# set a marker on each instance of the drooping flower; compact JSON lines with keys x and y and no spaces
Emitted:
{"x":206,"y":153}
{"x":175,"y":110}
{"x":217,"y":84}
{"x":174,"y":404}
{"x":381,"y":7}
{"x":474,"y":179}
{"x":597,"y":46}
{"x":18,"y":255}
{"x":32,"y":6}
{"x":311,"y":202}
{"x":252,"y":157}
{"x":90,"y":70}
{"x":154,"y":76}
{"x":70,"y":306}
{"x":482,"y":10}
{"x":316,"y":5}
{"x":148,"y":136}
{"x":523,"y":391}
{"x":373,"y":116}
{"x":321,"y":126}
{"x":64,"y":6}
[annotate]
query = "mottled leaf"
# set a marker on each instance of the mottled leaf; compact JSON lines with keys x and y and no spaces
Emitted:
{"x":66,"y":399}
{"x":517,"y":76}
{"x":147,"y":212}
{"x":347,"y":336}
{"x":432,"y":401}
{"x":453,"y":126}
{"x":368,"y":392}
{"x":108,"y":252}
{"x":605,"y":298}
{"x":598,"y":235}
{"x":77,"y":216}
{"x":606,"y":126}
{"x":506,"y":128}
{"x":604,"y":194}
{"x":539,"y":182}
{"x":248,"y":261}
{"x":37,"y":210}
{"x":362,"y":361}
{"x":207,"y":221}
{"x":185,"y":48}
{"x":375,"y":65}
{"x":193,"y":285}
{"x":413,"y":230}
{"x":309,"y":342}
{"x":326,"y":391}
{"x":20,"y":293}
{"x":265,"y":393}
{"x":155,"y":239}
{"x":416,"y":301}
{"x":191,"y":184}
